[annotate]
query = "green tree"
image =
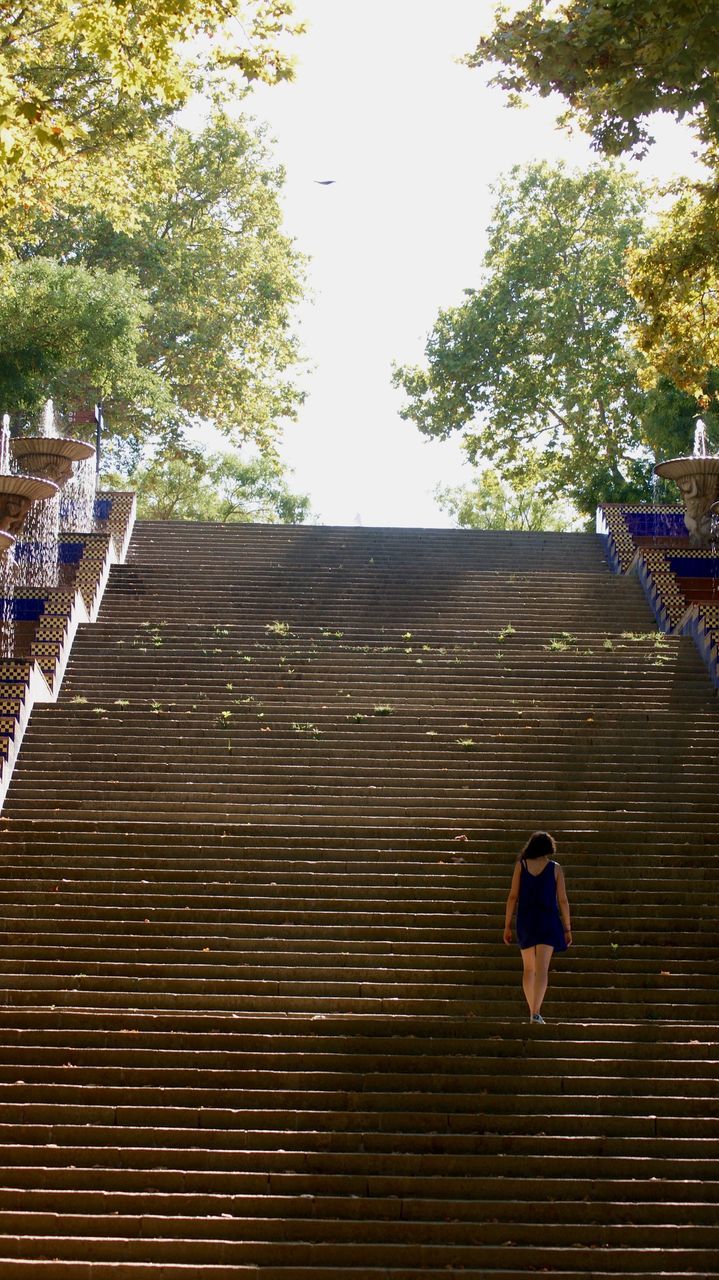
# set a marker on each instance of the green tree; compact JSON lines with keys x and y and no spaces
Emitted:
{"x":221,"y":277}
{"x":537,"y":357}
{"x":82,"y":87}
{"x":675,"y":281}
{"x":491,"y":503}
{"x":72,"y":334}
{"x":617,"y":63}
{"x":193,"y":485}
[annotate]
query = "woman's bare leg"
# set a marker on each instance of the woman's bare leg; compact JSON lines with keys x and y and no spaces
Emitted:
{"x":528,"y":961}
{"x":541,"y":975}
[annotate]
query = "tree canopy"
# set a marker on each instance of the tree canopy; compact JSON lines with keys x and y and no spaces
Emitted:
{"x":617,"y":63}
{"x":491,"y":503}
{"x":83,"y":86}
{"x":72,"y":334}
{"x":220,"y":277}
{"x":675,"y":281}
{"x":225,"y":487}
{"x":537,"y":356}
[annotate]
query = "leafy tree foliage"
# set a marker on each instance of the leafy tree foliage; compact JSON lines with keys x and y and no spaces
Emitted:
{"x":220,"y":276}
{"x":72,"y":334}
{"x":537,"y":357}
{"x":82,"y":87}
{"x":675,"y":280}
{"x":491,"y":503}
{"x":191,"y":485}
{"x":615,"y":62}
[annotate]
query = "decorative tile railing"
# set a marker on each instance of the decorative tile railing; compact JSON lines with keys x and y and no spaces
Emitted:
{"x":653,"y":543}
{"x":50,"y":618}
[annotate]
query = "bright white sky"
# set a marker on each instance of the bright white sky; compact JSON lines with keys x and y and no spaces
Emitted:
{"x":414,"y":142}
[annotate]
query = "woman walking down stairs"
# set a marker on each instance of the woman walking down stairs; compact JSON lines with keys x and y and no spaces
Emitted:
{"x":257,"y":1017}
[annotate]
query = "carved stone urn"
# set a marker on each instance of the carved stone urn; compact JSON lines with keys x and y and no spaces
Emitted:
{"x":698,"y":482}
{"x":49,"y":456}
{"x":17,"y":494}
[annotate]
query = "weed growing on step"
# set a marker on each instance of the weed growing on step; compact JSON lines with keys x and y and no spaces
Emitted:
{"x":406,"y":635}
{"x":155,"y":707}
{"x":657,"y":638}
{"x":244,"y":657}
{"x":505,"y":632}
{"x":467,"y":744}
{"x":278,"y":628}
{"x":306,"y":726}
{"x":100,"y":711}
{"x":358,"y":717}
{"x":154,"y":631}
{"x":220,"y":631}
{"x":383,"y":709}
{"x":122,"y":702}
{"x":78,"y":698}
{"x":560,"y":643}
{"x":608,"y":644}
{"x":431,"y":733}
{"x":224,"y":717}
{"x":330,"y":635}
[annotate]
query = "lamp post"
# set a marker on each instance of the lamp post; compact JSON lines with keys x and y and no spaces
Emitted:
{"x":99,"y":424}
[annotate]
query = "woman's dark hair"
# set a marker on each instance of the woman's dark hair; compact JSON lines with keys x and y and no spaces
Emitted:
{"x":539,"y":845}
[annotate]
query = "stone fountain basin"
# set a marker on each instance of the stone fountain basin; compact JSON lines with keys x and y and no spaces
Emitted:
{"x":55,"y":446}
{"x":32,"y":488}
{"x":50,"y":456}
{"x":688,"y":469}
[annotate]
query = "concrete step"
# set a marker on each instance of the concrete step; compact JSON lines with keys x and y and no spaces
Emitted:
{"x":255,"y":1013}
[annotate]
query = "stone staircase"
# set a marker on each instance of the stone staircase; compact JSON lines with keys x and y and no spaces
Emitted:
{"x":257,"y":1018}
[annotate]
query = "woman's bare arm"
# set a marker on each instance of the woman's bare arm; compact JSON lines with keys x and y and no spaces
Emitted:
{"x":511,"y":903}
{"x":563,"y":904}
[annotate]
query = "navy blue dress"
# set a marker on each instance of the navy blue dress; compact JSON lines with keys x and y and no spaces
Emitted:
{"x":538,"y":919}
